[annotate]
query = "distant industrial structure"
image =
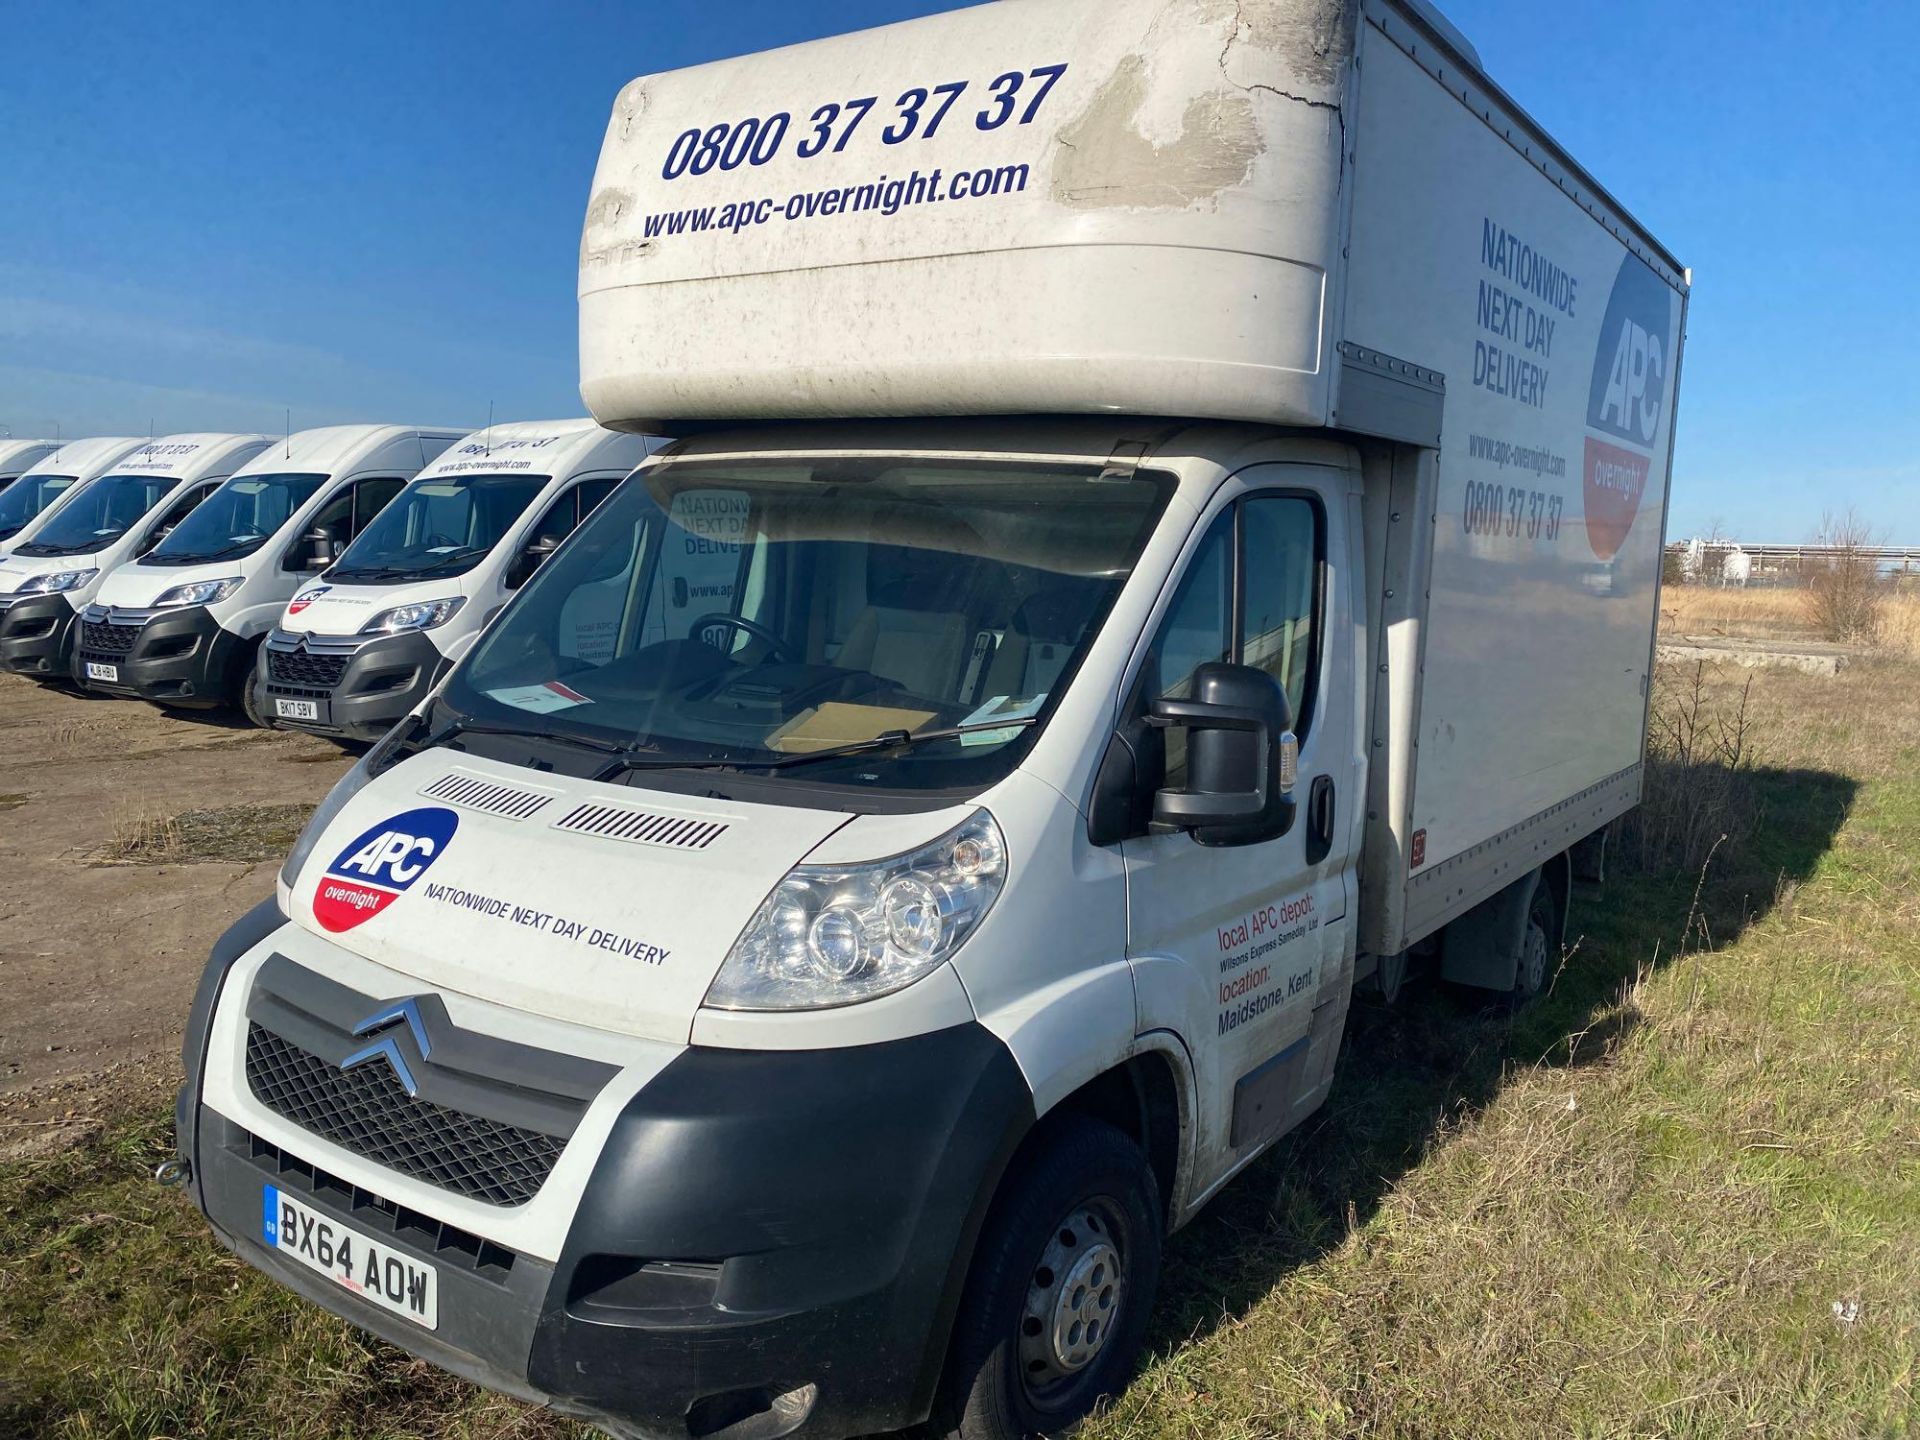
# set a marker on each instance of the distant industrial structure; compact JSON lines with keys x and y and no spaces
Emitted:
{"x":1715,"y":561}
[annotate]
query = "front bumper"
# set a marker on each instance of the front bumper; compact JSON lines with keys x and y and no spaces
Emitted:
{"x":770,"y":1243}
{"x":174,"y":657}
{"x":36,"y":636}
{"x":359,"y":689}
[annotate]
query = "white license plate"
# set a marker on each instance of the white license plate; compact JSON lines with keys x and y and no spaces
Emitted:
{"x":351,"y":1260}
{"x":297,"y":709}
{"x":97,"y":671}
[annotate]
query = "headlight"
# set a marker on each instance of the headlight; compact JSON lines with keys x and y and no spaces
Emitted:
{"x":53,"y":582}
{"x":369,"y":767}
{"x":421,"y":616}
{"x":830,"y":935}
{"x":198,"y":592}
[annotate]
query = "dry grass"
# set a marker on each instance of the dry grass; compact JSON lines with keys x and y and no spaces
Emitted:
{"x":244,"y":833}
{"x":1777,"y":613}
{"x":1679,"y":1196}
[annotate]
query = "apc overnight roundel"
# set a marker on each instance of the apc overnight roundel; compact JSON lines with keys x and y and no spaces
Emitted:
{"x":380,"y":865}
{"x":1625,"y":399}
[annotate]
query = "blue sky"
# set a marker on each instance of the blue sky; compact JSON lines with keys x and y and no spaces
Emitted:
{"x":371,"y":211}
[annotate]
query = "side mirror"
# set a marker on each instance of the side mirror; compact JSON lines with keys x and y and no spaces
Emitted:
{"x":321,"y":550}
{"x":1241,"y":758}
{"x":530,"y":560}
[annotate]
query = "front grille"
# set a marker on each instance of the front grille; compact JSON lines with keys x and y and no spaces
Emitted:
{"x":107,"y":639}
{"x":297,"y":667}
{"x":365,"y":1110}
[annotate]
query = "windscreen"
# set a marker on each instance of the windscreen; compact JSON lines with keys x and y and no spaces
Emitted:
{"x":27,"y":497}
{"x":100,"y":514}
{"x":437,"y":527}
{"x":752,"y":612}
{"x":236,"y":520}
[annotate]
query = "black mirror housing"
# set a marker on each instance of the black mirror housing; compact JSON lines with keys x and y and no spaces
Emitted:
{"x":1241,"y":756}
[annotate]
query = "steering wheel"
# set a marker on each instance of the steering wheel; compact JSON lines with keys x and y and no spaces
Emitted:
{"x":719,"y":620}
{"x":437,"y":541}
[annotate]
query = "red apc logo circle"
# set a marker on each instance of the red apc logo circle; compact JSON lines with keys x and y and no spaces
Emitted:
{"x":306,"y":598}
{"x":380,"y":865}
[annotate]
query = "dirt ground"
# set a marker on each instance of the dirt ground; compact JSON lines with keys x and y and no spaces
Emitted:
{"x":108,"y":901}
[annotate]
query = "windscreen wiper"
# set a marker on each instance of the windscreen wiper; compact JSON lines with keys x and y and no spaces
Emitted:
{"x":628,"y":760}
{"x":461,"y":725}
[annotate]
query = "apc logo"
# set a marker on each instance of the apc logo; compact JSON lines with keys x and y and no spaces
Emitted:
{"x":1624,"y":403}
{"x":306,"y":598}
{"x":380,"y":866}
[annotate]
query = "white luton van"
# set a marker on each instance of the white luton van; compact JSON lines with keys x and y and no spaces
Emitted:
{"x":358,"y":649}
{"x":183,"y":624}
{"x":1142,"y":461}
{"x":42,"y":487}
{"x":116,"y":517}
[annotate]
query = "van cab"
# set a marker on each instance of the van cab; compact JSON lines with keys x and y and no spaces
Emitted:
{"x":360,"y":647}
{"x":117,"y":517}
{"x":42,"y":486}
{"x":183,"y":624}
{"x":19,"y":455}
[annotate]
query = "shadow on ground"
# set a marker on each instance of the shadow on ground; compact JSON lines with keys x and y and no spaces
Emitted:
{"x":1409,"y":1071}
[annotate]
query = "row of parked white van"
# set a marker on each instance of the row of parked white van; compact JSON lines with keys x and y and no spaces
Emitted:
{"x":321,"y":581}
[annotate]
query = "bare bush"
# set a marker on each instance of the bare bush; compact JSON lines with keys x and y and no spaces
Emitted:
{"x":1845,"y":594}
{"x":1699,"y":793}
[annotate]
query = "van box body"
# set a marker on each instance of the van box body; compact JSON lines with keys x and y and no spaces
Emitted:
{"x":1164,"y":526}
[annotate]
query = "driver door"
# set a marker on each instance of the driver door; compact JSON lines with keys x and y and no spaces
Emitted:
{"x":1229,"y":944}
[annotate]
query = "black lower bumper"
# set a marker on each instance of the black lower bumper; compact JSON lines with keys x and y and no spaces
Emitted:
{"x":179,"y":657}
{"x":36,"y":637}
{"x":770,"y":1244}
{"x":357,"y":696}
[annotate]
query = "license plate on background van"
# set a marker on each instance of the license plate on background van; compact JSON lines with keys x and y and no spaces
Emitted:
{"x":297,"y":709}
{"x":97,"y":671}
{"x":352,"y":1260}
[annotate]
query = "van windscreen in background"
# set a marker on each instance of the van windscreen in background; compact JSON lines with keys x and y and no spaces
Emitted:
{"x":756,"y":614}
{"x":27,"y":497}
{"x":236,"y":520}
{"x":99,"y":515}
{"x":436,"y":527}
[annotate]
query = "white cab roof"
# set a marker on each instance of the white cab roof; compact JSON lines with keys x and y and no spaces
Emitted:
{"x":85,"y":459}
{"x":330,"y":449}
{"x":192,"y":455}
{"x":555,"y":448}
{"x":17,"y":455}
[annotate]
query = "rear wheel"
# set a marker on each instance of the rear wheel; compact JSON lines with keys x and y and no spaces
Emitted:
{"x":1537,"y":945}
{"x":1056,"y":1306}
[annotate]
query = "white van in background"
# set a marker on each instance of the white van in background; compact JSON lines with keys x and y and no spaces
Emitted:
{"x":18,"y":456}
{"x":43,"y":486}
{"x":361,"y":647}
{"x":183,"y":624}
{"x":110,"y":520}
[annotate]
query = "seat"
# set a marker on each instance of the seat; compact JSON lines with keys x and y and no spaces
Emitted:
{"x":919,"y":650}
{"x":1040,"y":640}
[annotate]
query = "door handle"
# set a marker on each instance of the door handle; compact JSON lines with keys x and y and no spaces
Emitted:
{"x":1320,"y":816}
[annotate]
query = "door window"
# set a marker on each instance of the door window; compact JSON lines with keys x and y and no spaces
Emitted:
{"x":1248,"y":597}
{"x":174,"y":514}
{"x":370,"y":497}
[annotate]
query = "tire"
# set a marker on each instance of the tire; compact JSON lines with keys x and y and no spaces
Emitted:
{"x":248,"y":705}
{"x":1537,"y":947}
{"x":1026,"y":1360}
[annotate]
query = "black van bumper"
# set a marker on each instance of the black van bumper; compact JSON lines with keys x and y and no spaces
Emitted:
{"x":36,"y":637}
{"x":771,"y":1243}
{"x":358,"y":692}
{"x":176,"y":657}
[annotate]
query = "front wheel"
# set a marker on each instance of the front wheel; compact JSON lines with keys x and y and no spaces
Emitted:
{"x":249,"y":705}
{"x":1056,"y":1306}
